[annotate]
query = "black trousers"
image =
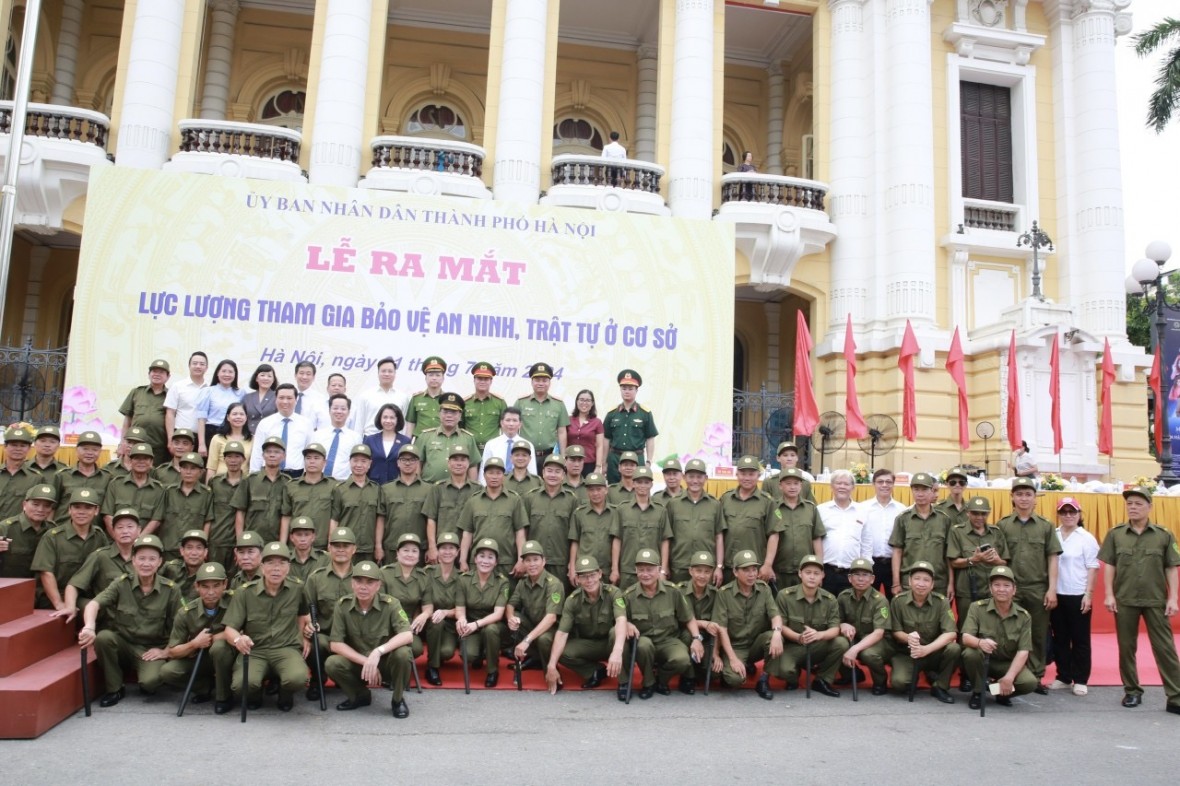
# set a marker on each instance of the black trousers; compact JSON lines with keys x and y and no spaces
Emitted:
{"x":883,"y":575}
{"x":1071,"y":639}
{"x":834,"y":582}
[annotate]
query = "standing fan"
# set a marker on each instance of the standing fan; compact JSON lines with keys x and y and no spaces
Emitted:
{"x":882,"y":437}
{"x":831,"y":434}
{"x":21,"y":388}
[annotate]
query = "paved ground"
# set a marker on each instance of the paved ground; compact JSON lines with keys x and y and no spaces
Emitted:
{"x":501,"y":737}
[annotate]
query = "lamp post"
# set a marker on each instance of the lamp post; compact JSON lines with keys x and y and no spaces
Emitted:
{"x":1145,"y":274}
{"x":1036,"y":239}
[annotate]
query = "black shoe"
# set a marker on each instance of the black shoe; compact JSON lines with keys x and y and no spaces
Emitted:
{"x":432,"y":676}
{"x":688,"y":685}
{"x":254,"y":704}
{"x":349,"y":704}
{"x":530,"y":663}
{"x":646,"y":693}
{"x":1130,"y":700}
{"x":145,"y":692}
{"x":662,"y":689}
{"x":477,"y":664}
{"x":1041,"y":690}
{"x":111,"y":699}
{"x":762,"y":688}
{"x":492,"y":679}
{"x":286,"y":702}
{"x":201,"y":698}
{"x":942,"y":695}
{"x":880,"y":690}
{"x":975,"y":701}
{"x":313,"y":691}
{"x":791,"y":683}
{"x":595,"y":679}
{"x":272,"y":687}
{"x":400,"y":710}
{"x":1172,"y":708}
{"x":222,"y":707}
{"x":621,"y":693}
{"x":845,"y":677}
{"x":1004,"y":701}
{"x":821,"y":686}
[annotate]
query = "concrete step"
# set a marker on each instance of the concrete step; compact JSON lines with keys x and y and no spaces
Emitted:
{"x":27,"y":640}
{"x":38,"y":698}
{"x":16,"y":598}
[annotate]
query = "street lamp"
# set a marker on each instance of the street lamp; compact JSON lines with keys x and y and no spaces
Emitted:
{"x":1145,"y":274}
{"x":1036,"y":239}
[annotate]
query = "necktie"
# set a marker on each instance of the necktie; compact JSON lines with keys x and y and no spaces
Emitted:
{"x":299,"y":403}
{"x":508,"y":455}
{"x":286,"y":423}
{"x":332,"y":451}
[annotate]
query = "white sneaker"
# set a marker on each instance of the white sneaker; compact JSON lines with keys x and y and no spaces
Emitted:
{"x":1080,"y":690}
{"x":1057,"y":685}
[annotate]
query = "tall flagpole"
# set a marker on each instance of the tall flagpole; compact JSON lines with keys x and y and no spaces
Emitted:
{"x":20,"y":110}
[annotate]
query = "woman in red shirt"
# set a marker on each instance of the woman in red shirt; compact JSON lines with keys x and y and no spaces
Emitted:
{"x":585,"y":429}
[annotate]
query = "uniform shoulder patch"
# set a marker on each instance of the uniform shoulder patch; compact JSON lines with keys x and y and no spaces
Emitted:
{"x":555,"y":597}
{"x":167,"y":582}
{"x":620,"y":602}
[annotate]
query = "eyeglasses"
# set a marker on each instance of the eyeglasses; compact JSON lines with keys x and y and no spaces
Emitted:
{"x":956,"y":483}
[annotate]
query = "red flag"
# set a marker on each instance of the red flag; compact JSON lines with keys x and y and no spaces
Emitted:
{"x":1153,"y":379}
{"x":1055,"y":394}
{"x":1106,"y":422}
{"x":855,"y":426}
{"x":806,"y":410}
{"x":905,"y":361}
{"x":954,"y":364}
{"x":1015,"y":438}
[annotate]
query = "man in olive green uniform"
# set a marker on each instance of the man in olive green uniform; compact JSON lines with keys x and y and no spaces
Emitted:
{"x":801,"y":528}
{"x":85,"y":475}
{"x":494,"y":513}
{"x":623,"y":490}
{"x":198,"y":626}
{"x":748,"y":515}
{"x":370,"y":643}
{"x":305,"y":557}
{"x":137,"y":489}
{"x":811,"y":620}
{"x":259,"y":498}
{"x":533,"y":607}
{"x":224,"y":486}
{"x":955,"y":506}
{"x":591,"y":525}
{"x":104,"y":565}
{"x":185,"y":506}
{"x":446,"y":498}
{"x":673,"y":473}
{"x":641,"y":524}
{"x":750,"y":626}
{"x":330,"y":582}
{"x":20,"y":535}
{"x":141,"y":610}
{"x":924,"y":634}
{"x":920,"y":534}
{"x":1033,"y":547}
{"x":864,"y":623}
{"x":701,"y":593}
{"x":518,"y":477}
{"x":543,"y":418}
{"x":661,"y":620}
{"x":482,"y":409}
{"x":144,"y":409}
{"x":549,"y":510}
{"x":593,"y":629}
{"x":1000,"y":628}
{"x":1141,"y":580}
{"x":356,"y":503}
{"x":575,"y":464}
{"x":629,"y":426}
{"x":788,"y":458}
{"x":422,"y":411}
{"x":972,"y":563}
{"x":248,"y":558}
{"x":44,"y":459}
{"x":695,"y":519}
{"x":400,"y":509}
{"x":64,"y":549}
{"x":194,"y":550}
{"x":180,"y":445}
{"x":268,"y":620}
{"x":435,"y":443}
{"x":16,"y":476}
{"x":309,"y":495}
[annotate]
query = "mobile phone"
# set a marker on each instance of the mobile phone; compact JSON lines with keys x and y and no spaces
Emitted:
{"x":985,"y":546}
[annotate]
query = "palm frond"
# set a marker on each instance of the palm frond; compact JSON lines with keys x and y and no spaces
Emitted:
{"x":1151,"y":39}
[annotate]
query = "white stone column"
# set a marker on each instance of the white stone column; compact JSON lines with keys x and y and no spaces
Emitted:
{"x":645,"y":113}
{"x":337,"y":143}
{"x":907,"y":274}
{"x":692,"y":151}
{"x":774,"y":124}
{"x":517,"y":173}
{"x":851,"y":163}
{"x":66,"y":64}
{"x":145,"y":127}
{"x":215,"y":98}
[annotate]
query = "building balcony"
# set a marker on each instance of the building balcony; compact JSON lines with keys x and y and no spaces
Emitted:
{"x":429,"y":167}
{"x":777,"y":221}
{"x":61,"y":145}
{"x":983,"y":227}
{"x":611,"y":185}
{"x":217,"y":147}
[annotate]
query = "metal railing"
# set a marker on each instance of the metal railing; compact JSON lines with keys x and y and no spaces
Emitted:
{"x":429,"y":155}
{"x":31,"y":384}
{"x":773,"y":190}
{"x":998,"y":216}
{"x":242,"y":139}
{"x":578,"y":170}
{"x":761,"y":420}
{"x":53,"y":121}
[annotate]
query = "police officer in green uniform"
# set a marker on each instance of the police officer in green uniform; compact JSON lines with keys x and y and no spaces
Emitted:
{"x":136,"y":489}
{"x":331,"y":581}
{"x":695,"y":519}
{"x":641,"y":524}
{"x":629,"y":426}
{"x":198,"y":626}
{"x":21,"y":534}
{"x":1033,"y":546}
{"x":104,"y":565}
{"x":309,"y":495}
{"x":543,"y":418}
{"x":480,"y":598}
{"x":422,"y":411}
{"x":181,"y":444}
{"x":593,"y":629}
{"x":955,"y":506}
{"x":973,"y":550}
{"x":86,"y":474}
{"x":441,"y":580}
{"x":623,"y":489}
{"x":407,"y":582}
{"x":356,"y":502}
{"x":194,"y":549}
{"x":140,"y":611}
{"x":401,"y":506}
{"x":445,"y":501}
{"x":305,"y":557}
{"x":924,"y":634}
{"x":268,"y":620}
{"x":435,"y":443}
{"x":259,"y":498}
{"x":673,"y":472}
{"x":185,"y":506}
{"x":482,"y":409}
{"x":497,"y":514}
{"x":16,"y":476}
{"x":750,"y":626}
{"x":248,"y":558}
{"x":64,"y":549}
{"x":1001,"y":628}
{"x":920,"y":534}
{"x":660,"y":622}
{"x":701,"y":593}
{"x":518,"y":478}
{"x":144,"y":409}
{"x":533,"y":607}
{"x":224,"y":486}
{"x":44,"y":461}
{"x":549,"y":510}
{"x":864,"y":623}
{"x":575,"y":463}
{"x":811,"y":619}
{"x":591,"y":525}
{"x":801,"y":530}
{"x":370,"y":638}
{"x":788,"y":458}
{"x":750,"y":523}
{"x":1140,"y":581}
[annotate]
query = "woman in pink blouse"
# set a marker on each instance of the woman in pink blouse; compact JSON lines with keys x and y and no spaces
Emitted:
{"x":585,"y":429}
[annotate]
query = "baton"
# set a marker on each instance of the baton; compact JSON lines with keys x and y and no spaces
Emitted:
{"x":855,"y":669}
{"x":245,"y":684}
{"x":315,"y":648}
{"x":189,"y":688}
{"x":631,"y":669}
{"x":85,"y":683}
{"x":466,"y":667}
{"x":983,"y":691}
{"x":914,"y":681}
{"x":807,"y":649}
{"x":414,"y":670}
{"x":709,"y":651}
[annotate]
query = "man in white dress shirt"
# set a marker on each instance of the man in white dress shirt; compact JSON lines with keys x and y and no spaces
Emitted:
{"x":310,"y":403}
{"x":501,"y":446}
{"x":365,"y":408}
{"x":180,"y":404}
{"x":844,"y":522}
{"x":294,"y":429}
{"x":338,"y":438}
{"x":879,"y":513}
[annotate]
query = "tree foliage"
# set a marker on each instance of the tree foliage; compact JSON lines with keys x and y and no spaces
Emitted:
{"x":1165,"y":35}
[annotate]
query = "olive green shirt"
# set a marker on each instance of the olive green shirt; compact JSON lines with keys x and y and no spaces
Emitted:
{"x":139,"y":618}
{"x":958,"y":516}
{"x":695,"y":527}
{"x":445,"y":502}
{"x":316,"y":559}
{"x":325,"y":588}
{"x":401,"y":506}
{"x":13,"y":486}
{"x":314,"y":500}
{"x":1012,"y":634}
{"x":867,"y":613}
{"x":582,"y":618}
{"x":745,"y":617}
{"x":193,"y":617}
{"x":176,"y":570}
{"x":773,"y":487}
{"x":366,"y":631}
{"x":660,"y":617}
{"x":591,"y":530}
{"x":124,"y":492}
{"x":540,"y":420}
{"x":1030,"y":543}
{"x":262,"y":500}
{"x":221,"y":527}
{"x":436,"y":446}
{"x":357,"y":507}
{"x":962,"y":544}
{"x":629,"y":429}
{"x":482,"y":417}
{"x":99,"y":570}
{"x":522,"y":486}
{"x":798,"y":527}
{"x":48,"y":473}
{"x":422,"y":410}
{"x":798,"y":613}
{"x":410,"y":592}
{"x":178,"y":512}
{"x":440,"y":593}
{"x":480,"y":601}
{"x":498,"y":518}
{"x":549,"y":522}
{"x":271,"y":621}
{"x":532,"y":601}
{"x":17,"y":562}
{"x":1141,"y":561}
{"x":168,"y":475}
{"x":932,"y":619}
{"x":146,"y":410}
{"x":70,"y":480}
{"x":702,"y":607}
{"x":748,"y":523}
{"x":922,"y":539}
{"x":639,"y":528}
{"x":62,"y":551}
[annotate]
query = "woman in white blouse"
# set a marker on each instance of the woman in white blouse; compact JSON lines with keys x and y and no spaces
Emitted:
{"x":1077,"y":569}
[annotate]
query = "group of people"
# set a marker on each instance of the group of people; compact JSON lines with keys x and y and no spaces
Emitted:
{"x":542,"y":543}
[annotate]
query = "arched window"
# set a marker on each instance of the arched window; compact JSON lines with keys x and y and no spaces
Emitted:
{"x":437,"y":121}
{"x":577,"y":135}
{"x":284,"y":109}
{"x":729,"y":158}
{"x":8,"y":70}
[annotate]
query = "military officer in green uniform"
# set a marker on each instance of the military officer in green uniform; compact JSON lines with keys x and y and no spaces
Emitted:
{"x":441,"y":580}
{"x":402,"y":501}
{"x":140,"y":610}
{"x":144,"y":409}
{"x":591,"y":525}
{"x":629,"y":426}
{"x":864,"y":623}
{"x":543,"y":418}
{"x":64,"y":549}
{"x":1033,"y":547}
{"x":748,"y":516}
{"x":268,"y":620}
{"x":104,"y":565}
{"x":480,"y":598}
{"x":924,"y":633}
{"x":1002,"y":629}
{"x":185,"y":506}
{"x":660,"y":621}
{"x":309,"y":495}
{"x":305,"y":557}
{"x":482,"y":409}
{"x":370,"y":643}
{"x":85,"y":474}
{"x":788,"y":458}
{"x":16,"y":476}
{"x":356,"y":503}
{"x":811,"y":619}
{"x":592,"y":629}
{"x":194,"y":549}
{"x":497,"y":514}
{"x":21,"y":534}
{"x":136,"y":489}
{"x":750,"y":626}
{"x":801,"y":530}
{"x":533,"y":607}
{"x":445,"y":501}
{"x":198,"y":626}
{"x":1140,"y":580}
{"x":695,"y":519}
{"x":422,"y":411}
{"x":641,"y":524}
{"x":920,"y":534}
{"x":435,"y":443}
{"x":955,"y":506}
{"x":259,"y":498}
{"x":549,"y":510}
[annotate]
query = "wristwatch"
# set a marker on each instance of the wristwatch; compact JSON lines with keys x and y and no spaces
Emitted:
{"x":699,"y":637}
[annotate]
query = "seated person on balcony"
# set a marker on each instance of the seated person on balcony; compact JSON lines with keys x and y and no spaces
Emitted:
{"x":616,"y":151}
